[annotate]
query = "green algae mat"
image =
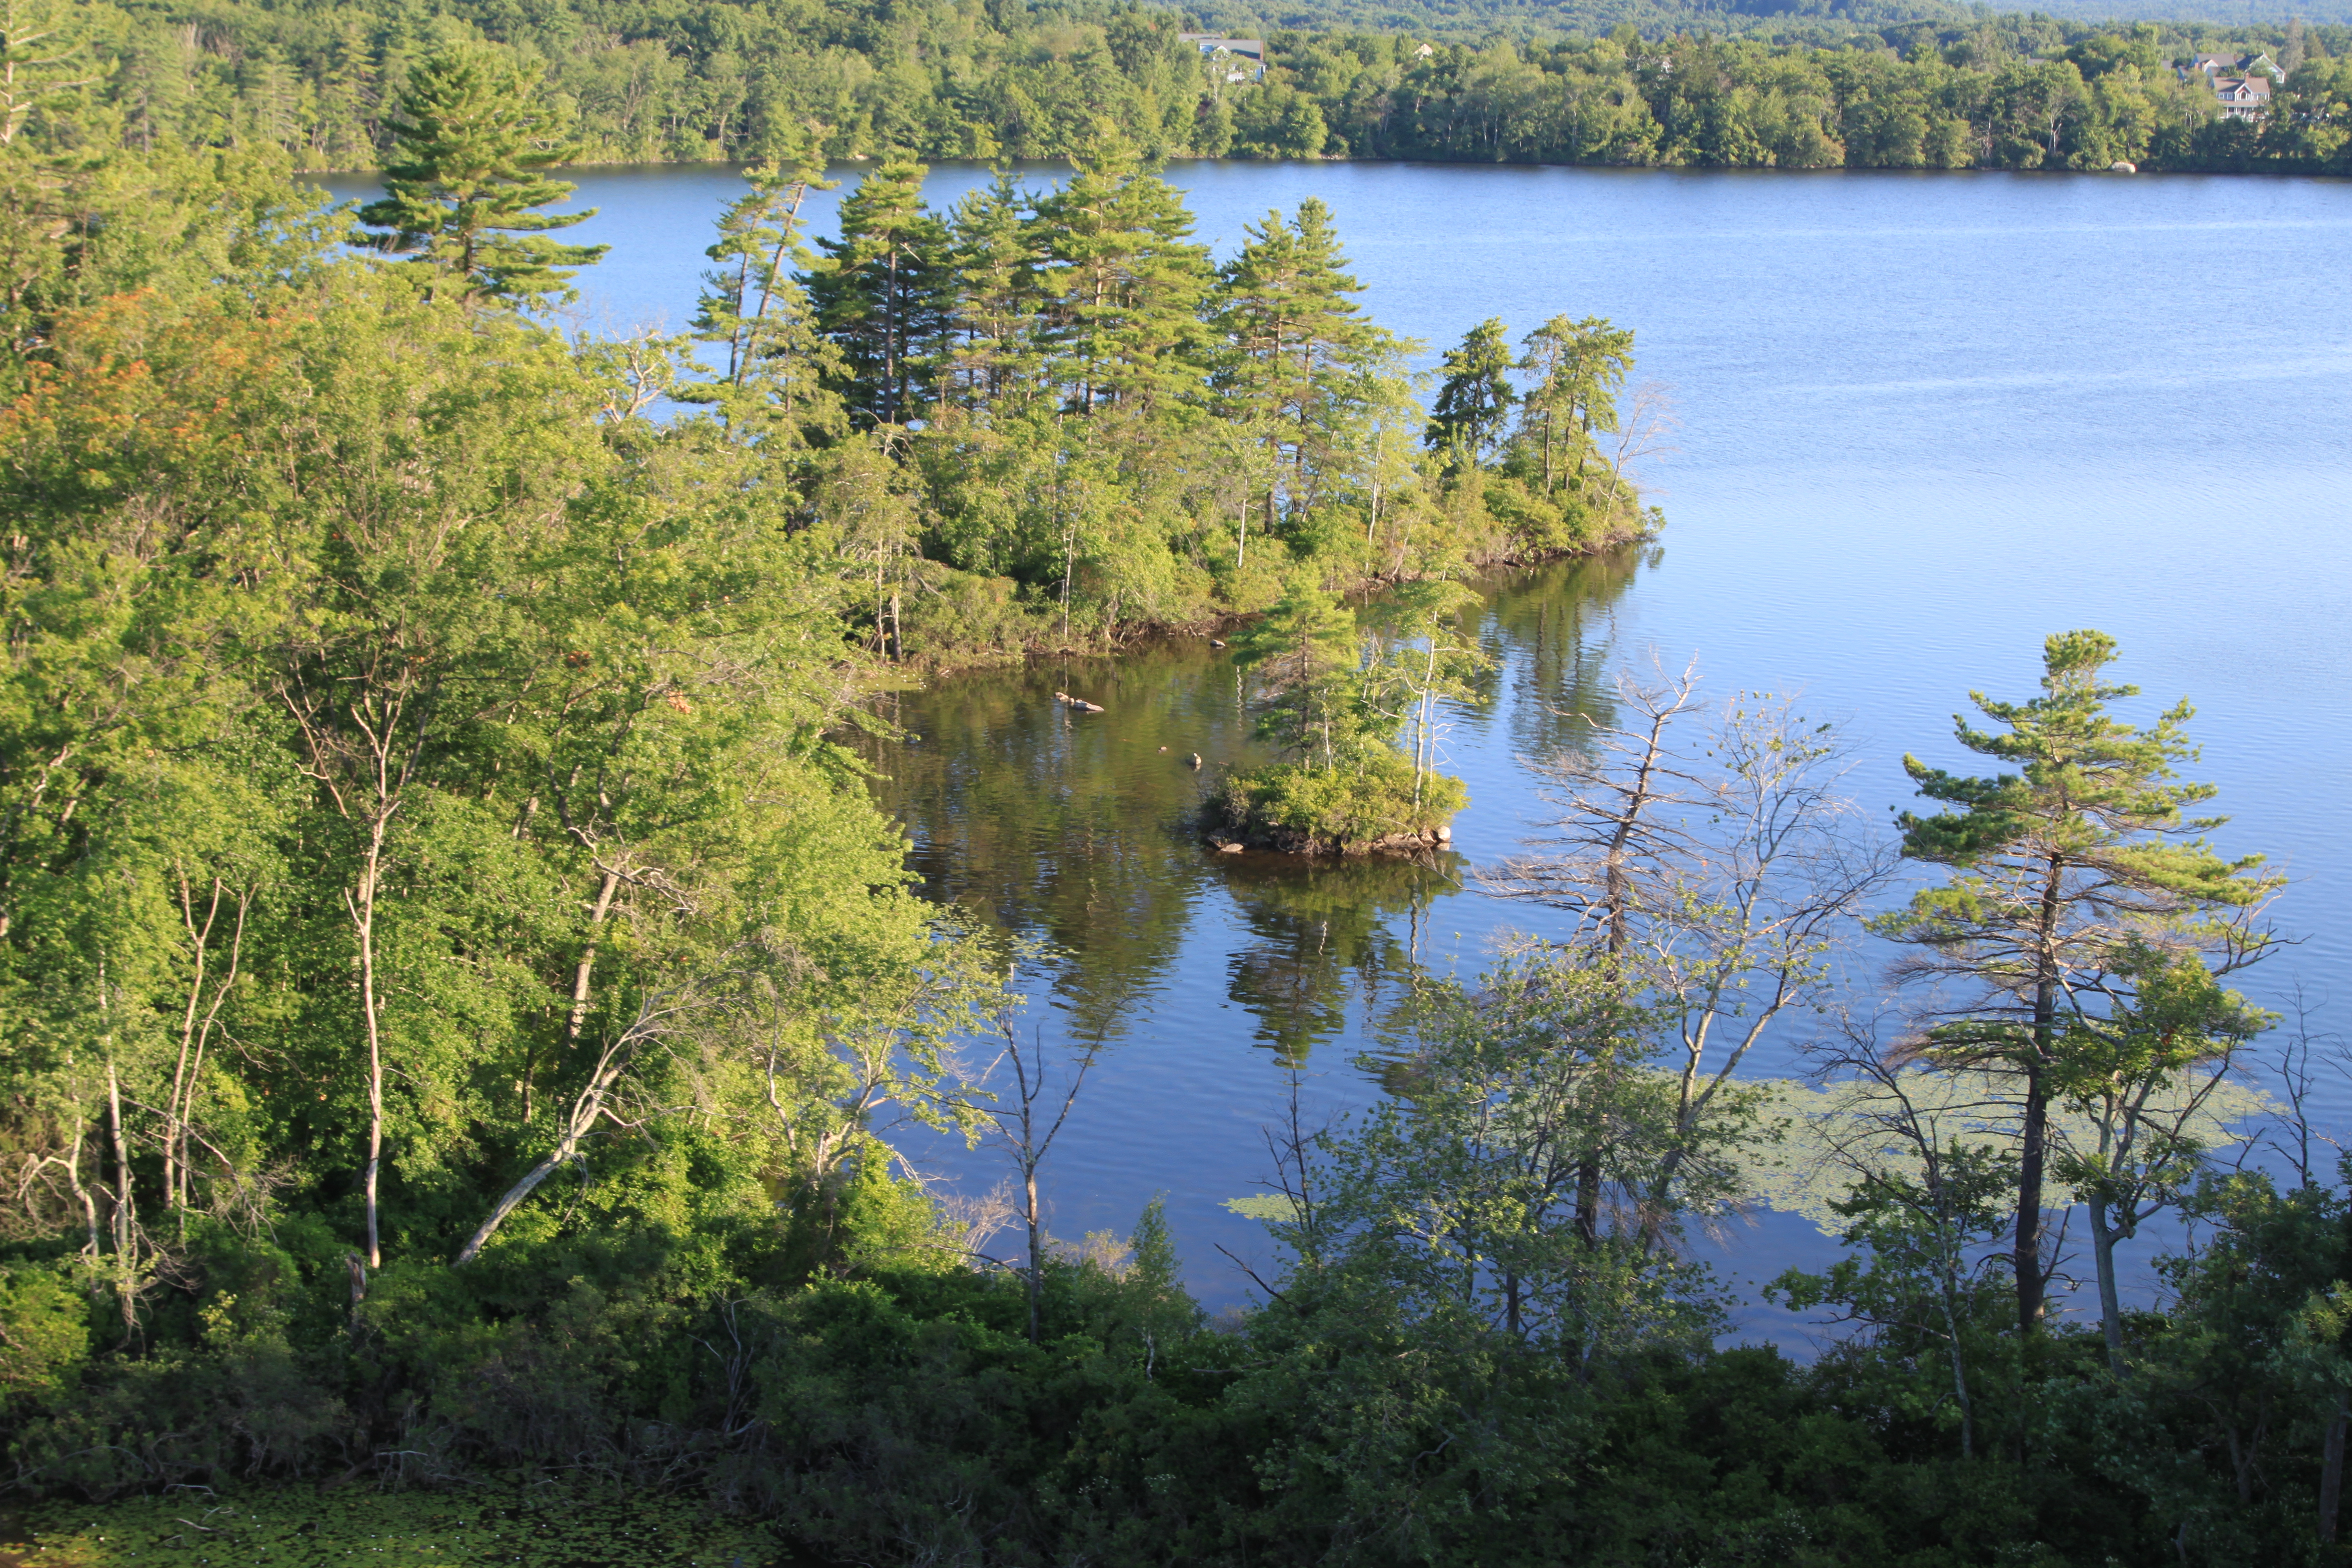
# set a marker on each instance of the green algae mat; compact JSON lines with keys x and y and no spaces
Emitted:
{"x":304,"y":1528}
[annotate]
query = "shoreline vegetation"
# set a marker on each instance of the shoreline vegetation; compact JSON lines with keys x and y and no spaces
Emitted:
{"x":458,"y":991}
{"x":954,"y":80}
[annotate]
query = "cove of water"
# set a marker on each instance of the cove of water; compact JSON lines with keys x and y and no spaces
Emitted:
{"x":1926,"y":420}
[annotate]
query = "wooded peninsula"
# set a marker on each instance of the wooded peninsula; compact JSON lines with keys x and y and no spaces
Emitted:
{"x":455,"y":985}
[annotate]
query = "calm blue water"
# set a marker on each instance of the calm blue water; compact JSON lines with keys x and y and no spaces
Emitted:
{"x":1925,"y":421}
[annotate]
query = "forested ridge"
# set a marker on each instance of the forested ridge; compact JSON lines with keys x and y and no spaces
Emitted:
{"x":461,"y":1009}
{"x":938,"y":80}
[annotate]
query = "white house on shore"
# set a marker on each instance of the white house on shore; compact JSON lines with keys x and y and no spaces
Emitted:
{"x":2243,"y":97}
{"x":2241,"y":86}
{"x":1244,"y":59}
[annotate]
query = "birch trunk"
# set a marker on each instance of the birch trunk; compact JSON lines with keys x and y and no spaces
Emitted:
{"x":585,"y":1110}
{"x":363,"y":923}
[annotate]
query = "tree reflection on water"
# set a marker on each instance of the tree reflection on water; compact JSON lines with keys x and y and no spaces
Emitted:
{"x":1073,"y":828}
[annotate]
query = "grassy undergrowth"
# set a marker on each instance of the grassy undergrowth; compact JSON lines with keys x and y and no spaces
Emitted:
{"x":302,"y":1528}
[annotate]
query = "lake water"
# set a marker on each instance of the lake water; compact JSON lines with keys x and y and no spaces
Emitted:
{"x":1926,"y":420}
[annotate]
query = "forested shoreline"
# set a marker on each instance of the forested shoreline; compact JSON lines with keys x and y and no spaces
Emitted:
{"x":462,"y":1011}
{"x":943,"y":80}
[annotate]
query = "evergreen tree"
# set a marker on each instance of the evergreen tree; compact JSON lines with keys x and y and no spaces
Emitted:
{"x":1578,"y":368}
{"x":471,"y":139}
{"x":39,"y":62}
{"x":1124,"y":285}
{"x":993,"y":354}
{"x":2061,"y":873}
{"x":775,"y":382}
{"x":1296,"y":347}
{"x":1474,"y":400}
{"x":1303,"y":653}
{"x":882,"y":295}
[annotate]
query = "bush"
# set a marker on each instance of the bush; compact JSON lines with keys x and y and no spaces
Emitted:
{"x":1352,"y":809}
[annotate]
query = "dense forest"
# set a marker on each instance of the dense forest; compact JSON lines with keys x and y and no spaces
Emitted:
{"x":455,"y":984}
{"x":649,"y":83}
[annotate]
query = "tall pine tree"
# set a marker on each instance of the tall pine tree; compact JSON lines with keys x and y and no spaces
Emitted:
{"x":1125,"y":284}
{"x":777,"y":367}
{"x":471,"y":142}
{"x":882,"y":294}
{"x":1297,"y":348}
{"x":1474,"y":400}
{"x":1578,"y":368}
{"x":2059,"y":874}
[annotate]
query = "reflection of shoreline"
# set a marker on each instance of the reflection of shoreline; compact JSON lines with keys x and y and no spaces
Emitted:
{"x":1038,"y":819}
{"x":1619,"y":553}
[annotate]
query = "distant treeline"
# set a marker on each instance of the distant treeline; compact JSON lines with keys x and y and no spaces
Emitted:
{"x":959,"y":79}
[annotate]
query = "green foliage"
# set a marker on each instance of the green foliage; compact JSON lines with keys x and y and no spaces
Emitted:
{"x":454,"y":975}
{"x":48,"y":1329}
{"x":1374,"y":803}
{"x":1917,"y":1288}
{"x":2077,"y":883}
{"x":545,"y":1526}
{"x":1303,"y":654}
{"x":1474,"y":397}
{"x":1338,"y":715}
{"x":1656,"y":82}
{"x":1578,"y":367}
{"x":881,"y":295}
{"x":465,"y":172}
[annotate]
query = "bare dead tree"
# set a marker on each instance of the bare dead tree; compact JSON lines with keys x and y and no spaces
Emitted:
{"x":1620,"y":825}
{"x":1027,"y":1126}
{"x":976,"y":1221}
{"x":1645,"y":430}
{"x":1718,"y":875}
{"x":2300,"y":1060}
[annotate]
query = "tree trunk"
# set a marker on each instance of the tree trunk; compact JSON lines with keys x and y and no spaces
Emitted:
{"x":588,"y":960}
{"x":2111,"y":1313}
{"x":2331,"y":1467}
{"x":364,"y":918}
{"x":1036,"y":1250}
{"x":196,"y":938}
{"x":585,"y":1110}
{"x":2035,"y":1135}
{"x":1423,"y":749}
{"x":1959,"y":1369}
{"x":126,"y":1217}
{"x":73,"y":1178}
{"x":2026,"y":1258}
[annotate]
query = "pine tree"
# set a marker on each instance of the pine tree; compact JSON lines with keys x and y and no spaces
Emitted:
{"x":754,"y":303}
{"x":2061,"y":873}
{"x":1296,"y":349}
{"x":469,"y":145}
{"x":1578,"y":368}
{"x":39,"y":62}
{"x":882,"y":294}
{"x":1474,"y":399}
{"x":1125,"y":285}
{"x":992,"y":356}
{"x":1303,"y":652}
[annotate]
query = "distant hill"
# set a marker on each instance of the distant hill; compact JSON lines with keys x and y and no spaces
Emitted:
{"x":1788,"y":20}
